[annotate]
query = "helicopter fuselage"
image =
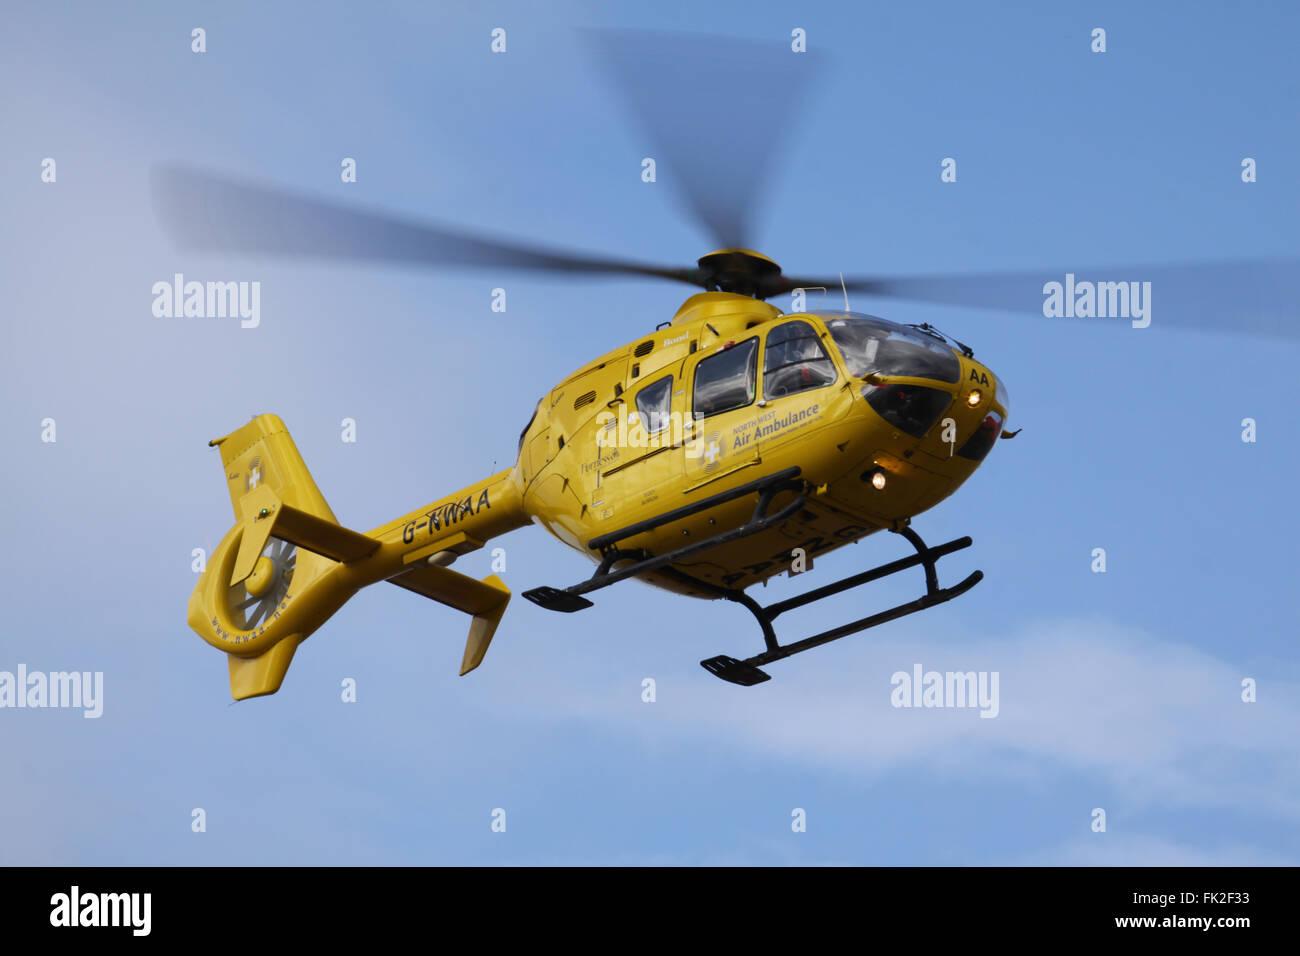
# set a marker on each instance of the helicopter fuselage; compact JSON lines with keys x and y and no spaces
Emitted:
{"x":733,"y":389}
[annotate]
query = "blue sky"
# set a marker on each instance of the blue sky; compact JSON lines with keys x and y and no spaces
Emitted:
{"x":1118,"y":690}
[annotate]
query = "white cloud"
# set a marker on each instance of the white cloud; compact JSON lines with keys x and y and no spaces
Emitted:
{"x":1155,"y":723}
{"x":1114,"y":849}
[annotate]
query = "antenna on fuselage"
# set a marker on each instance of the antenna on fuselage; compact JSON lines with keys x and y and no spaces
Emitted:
{"x":846,"y":293}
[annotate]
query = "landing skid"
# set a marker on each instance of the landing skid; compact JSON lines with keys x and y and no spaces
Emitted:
{"x":747,"y":672}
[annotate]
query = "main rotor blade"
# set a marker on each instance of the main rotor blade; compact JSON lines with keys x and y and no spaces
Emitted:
{"x":714,"y":110}
{"x":1257,"y":296}
{"x":205,"y":212}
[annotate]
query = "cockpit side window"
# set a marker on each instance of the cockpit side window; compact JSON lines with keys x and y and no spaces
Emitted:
{"x":795,"y":360}
{"x":726,"y":380}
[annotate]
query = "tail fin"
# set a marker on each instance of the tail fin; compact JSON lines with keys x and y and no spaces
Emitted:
{"x":261,"y":454}
{"x":287,"y":565}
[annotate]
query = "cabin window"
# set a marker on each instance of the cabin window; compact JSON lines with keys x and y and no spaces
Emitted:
{"x":530,"y":424}
{"x":654,"y":404}
{"x":795,"y":360}
{"x":726,"y":379}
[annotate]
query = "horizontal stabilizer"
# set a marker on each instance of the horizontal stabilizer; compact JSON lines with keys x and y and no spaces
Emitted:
{"x":266,"y":515}
{"x":486,"y":600}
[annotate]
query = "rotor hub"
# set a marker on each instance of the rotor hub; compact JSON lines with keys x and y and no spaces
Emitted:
{"x":741,"y":271}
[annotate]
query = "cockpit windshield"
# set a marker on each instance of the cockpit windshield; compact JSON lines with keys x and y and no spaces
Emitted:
{"x":870,"y":344}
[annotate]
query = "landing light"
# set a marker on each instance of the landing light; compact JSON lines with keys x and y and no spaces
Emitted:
{"x":878,"y":480}
{"x":974,"y":398}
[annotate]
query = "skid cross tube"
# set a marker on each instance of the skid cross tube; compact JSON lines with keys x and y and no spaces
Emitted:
{"x":571,"y":599}
{"x":747,"y":672}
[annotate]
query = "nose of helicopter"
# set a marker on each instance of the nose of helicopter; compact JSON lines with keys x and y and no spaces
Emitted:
{"x":926,"y":436}
{"x":944,"y":427}
{"x":973,"y":421}
{"x":981,"y":405}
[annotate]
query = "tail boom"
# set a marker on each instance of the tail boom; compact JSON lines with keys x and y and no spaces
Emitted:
{"x":289,"y":558}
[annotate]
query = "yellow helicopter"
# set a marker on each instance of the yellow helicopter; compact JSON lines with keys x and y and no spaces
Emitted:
{"x":733,"y":443}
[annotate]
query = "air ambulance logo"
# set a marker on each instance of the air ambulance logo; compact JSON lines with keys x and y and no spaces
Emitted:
{"x":254,"y":477}
{"x":712,"y":451}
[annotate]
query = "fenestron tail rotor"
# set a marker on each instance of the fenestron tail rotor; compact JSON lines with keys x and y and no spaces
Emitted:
{"x":251,"y":602}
